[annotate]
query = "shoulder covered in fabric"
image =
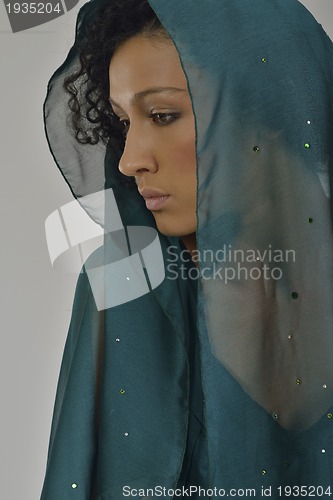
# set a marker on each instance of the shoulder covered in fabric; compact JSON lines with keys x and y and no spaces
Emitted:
{"x":83,"y":296}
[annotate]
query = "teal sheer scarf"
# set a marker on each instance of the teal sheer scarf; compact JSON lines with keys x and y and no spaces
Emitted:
{"x":260,"y":75}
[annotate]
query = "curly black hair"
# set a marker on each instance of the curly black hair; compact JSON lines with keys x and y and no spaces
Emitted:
{"x":102,"y":26}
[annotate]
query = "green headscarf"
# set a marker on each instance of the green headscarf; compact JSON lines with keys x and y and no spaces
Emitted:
{"x":260,"y":75}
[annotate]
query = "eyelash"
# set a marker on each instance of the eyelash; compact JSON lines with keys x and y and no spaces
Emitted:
{"x":156,"y":118}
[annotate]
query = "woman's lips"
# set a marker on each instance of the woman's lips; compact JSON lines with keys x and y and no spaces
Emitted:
{"x":155,"y":202}
{"x":154,"y":199}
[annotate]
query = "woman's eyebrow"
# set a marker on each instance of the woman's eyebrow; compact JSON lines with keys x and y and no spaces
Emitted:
{"x":139,"y":96}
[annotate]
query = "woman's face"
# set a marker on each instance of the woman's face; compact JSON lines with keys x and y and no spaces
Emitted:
{"x":149,"y":94}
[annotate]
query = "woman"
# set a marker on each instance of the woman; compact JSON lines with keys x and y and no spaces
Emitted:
{"x":220,"y":378}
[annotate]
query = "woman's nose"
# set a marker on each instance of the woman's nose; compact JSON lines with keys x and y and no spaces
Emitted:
{"x":138,"y":154}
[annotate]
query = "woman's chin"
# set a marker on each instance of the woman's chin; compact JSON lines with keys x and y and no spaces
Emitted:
{"x":186,"y":232}
{"x":174,"y":229}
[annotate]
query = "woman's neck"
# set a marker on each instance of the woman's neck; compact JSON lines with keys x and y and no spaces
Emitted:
{"x":190,"y":241}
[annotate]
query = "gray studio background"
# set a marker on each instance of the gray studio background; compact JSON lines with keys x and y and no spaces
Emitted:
{"x":35,"y":299}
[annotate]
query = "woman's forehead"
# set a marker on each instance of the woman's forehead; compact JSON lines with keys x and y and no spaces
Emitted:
{"x":141,"y":63}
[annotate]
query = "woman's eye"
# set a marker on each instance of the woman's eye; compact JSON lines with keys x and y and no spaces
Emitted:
{"x":164,"y":118}
{"x":161,"y":119}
